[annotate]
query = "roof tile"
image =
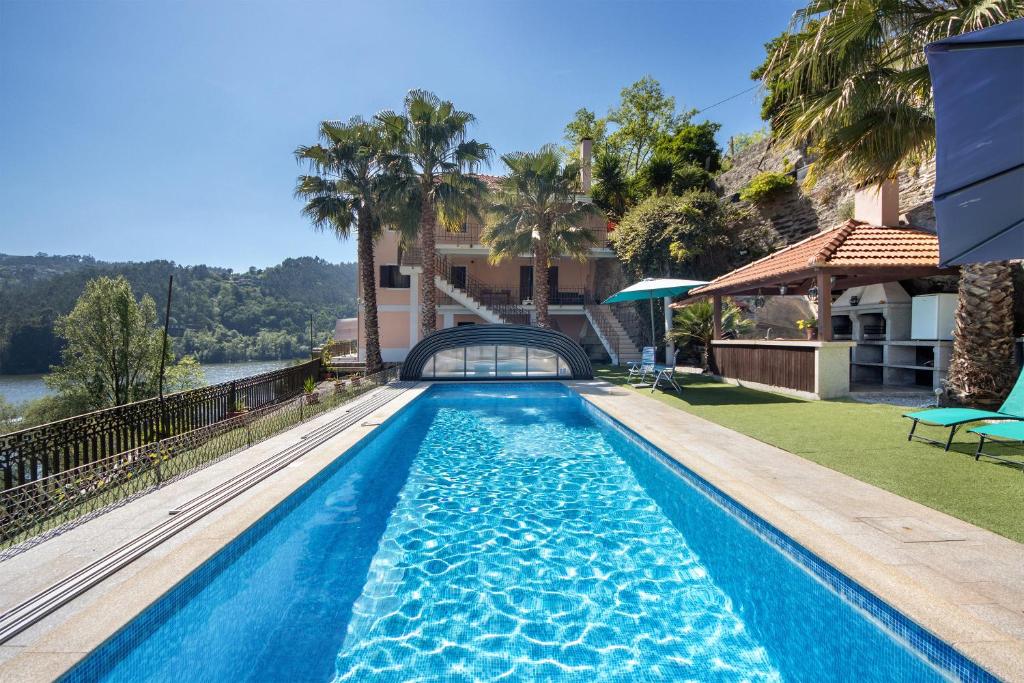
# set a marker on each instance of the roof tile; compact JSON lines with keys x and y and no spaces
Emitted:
{"x":847,"y":248}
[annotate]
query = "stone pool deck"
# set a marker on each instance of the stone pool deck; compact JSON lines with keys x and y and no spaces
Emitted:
{"x":962,"y":583}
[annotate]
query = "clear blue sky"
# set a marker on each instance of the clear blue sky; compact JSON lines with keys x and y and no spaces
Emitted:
{"x":143,"y":130}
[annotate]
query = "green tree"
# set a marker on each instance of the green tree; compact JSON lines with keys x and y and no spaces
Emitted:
{"x":536,"y":211}
{"x":612,"y":190}
{"x":740,"y":141}
{"x":695,"y":235}
{"x":644,"y":147}
{"x":656,"y":176}
{"x":662,"y":175}
{"x":9,"y":417}
{"x":694,"y":144}
{"x":645,"y":115}
{"x":210,"y":304}
{"x":850,"y":78}
{"x":112,"y":349}
{"x":585,"y":124}
{"x":430,"y":138}
{"x":354,"y":186}
{"x":695,"y":325}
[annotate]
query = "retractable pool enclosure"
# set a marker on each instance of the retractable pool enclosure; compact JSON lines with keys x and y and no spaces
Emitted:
{"x":476,"y":352}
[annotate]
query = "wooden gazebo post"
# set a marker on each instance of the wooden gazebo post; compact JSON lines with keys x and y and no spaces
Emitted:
{"x":824,"y":306}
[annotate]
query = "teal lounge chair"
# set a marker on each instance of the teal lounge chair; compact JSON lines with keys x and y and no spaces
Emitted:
{"x":954,"y":418}
{"x":1004,"y":431}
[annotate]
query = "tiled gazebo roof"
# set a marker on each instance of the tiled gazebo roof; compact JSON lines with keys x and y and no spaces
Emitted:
{"x":856,"y":251}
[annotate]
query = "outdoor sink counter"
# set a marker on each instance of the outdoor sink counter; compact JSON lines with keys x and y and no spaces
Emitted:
{"x":809,"y":369}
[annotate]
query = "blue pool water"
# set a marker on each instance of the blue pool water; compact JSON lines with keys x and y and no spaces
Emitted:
{"x":512,"y":532}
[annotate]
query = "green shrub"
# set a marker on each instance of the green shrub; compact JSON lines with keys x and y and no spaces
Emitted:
{"x":846,"y":210}
{"x":765,"y":186}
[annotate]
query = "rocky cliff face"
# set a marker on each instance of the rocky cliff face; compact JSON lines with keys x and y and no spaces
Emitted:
{"x":801,"y":212}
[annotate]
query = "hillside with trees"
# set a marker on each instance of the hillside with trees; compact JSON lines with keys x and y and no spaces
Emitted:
{"x":218,"y":315}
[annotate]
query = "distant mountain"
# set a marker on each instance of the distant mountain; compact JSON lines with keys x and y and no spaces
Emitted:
{"x":217,"y":315}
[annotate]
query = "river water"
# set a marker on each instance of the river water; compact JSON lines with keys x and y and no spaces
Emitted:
{"x":21,"y":388}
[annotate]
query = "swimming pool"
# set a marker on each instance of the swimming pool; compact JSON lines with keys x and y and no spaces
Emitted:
{"x":515,"y":532}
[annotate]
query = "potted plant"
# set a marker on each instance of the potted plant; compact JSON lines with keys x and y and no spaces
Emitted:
{"x":809,"y":326}
{"x":309,"y":386}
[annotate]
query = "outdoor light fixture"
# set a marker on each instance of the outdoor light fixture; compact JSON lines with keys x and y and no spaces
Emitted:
{"x":782,"y":290}
{"x":759,"y":300}
{"x":812,"y":293}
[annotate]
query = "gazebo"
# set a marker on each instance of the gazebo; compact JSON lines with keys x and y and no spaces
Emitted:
{"x":854,"y":254}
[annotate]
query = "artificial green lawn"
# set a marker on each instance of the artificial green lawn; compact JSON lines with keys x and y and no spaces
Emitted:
{"x":865,"y":441}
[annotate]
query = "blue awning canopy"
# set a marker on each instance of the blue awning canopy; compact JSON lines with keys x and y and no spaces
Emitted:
{"x":978,"y":81}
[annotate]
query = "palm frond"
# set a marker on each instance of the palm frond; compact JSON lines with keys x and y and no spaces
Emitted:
{"x":537,"y":200}
{"x":851,"y":80}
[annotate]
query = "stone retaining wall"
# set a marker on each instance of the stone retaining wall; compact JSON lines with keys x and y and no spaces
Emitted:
{"x":801,"y":212}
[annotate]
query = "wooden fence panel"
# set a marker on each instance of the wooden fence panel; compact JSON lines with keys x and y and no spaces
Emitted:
{"x":779,"y":366}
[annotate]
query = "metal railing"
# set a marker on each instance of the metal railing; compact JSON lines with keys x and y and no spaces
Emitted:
{"x":468,"y":236}
{"x":45,"y":450}
{"x":347,"y":347}
{"x":633,"y":324}
{"x":483,"y":293}
{"x":571,"y":296}
{"x":504,"y":294}
{"x":471,"y":235}
{"x":63,"y":499}
{"x":598,"y":316}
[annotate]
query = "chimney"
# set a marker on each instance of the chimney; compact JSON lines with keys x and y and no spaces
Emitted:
{"x":878,"y":204}
{"x":586,"y":148}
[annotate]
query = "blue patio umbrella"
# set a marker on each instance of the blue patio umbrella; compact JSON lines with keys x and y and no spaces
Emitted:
{"x":978,"y":81}
{"x":652,"y":288}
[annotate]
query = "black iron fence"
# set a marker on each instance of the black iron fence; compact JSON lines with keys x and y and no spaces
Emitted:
{"x":39,"y":452}
{"x":60,"y":500}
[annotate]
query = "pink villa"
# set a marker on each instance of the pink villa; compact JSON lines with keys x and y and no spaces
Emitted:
{"x":472,"y":290}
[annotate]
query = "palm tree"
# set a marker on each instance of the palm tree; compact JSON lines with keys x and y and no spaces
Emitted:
{"x":429,"y":138}
{"x":850,"y":80}
{"x":352,"y":188}
{"x":536,"y":211}
{"x":611,"y":191}
{"x":695,"y":324}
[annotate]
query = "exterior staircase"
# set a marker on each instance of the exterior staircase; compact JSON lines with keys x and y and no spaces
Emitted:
{"x":638,"y":332}
{"x":473,"y":294}
{"x":613,"y":335}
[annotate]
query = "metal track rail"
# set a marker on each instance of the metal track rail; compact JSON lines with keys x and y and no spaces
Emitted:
{"x":47,"y":601}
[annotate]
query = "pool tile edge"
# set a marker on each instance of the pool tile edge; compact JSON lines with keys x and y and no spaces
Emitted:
{"x":996,"y":651}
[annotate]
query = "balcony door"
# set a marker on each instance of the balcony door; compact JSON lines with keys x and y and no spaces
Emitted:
{"x":457,"y":277}
{"x":526,"y":283}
